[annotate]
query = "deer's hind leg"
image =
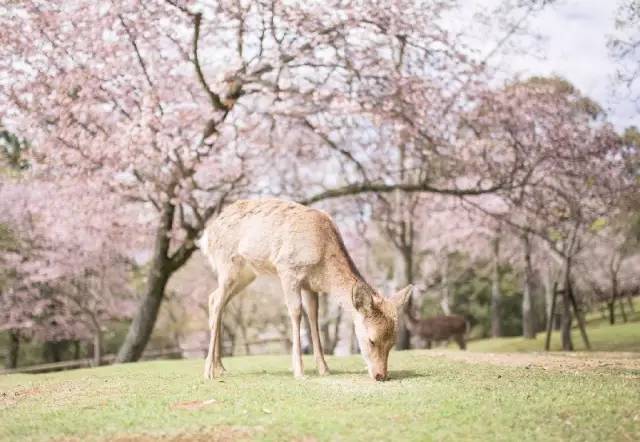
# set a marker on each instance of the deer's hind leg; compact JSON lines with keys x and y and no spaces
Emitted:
{"x":310,"y":301}
{"x":232,"y":278}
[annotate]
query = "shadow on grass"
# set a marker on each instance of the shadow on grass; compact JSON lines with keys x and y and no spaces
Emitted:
{"x":393,"y":374}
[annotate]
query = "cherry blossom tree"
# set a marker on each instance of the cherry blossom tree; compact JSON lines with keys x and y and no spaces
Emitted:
{"x":579,"y":176}
{"x":158,"y":102}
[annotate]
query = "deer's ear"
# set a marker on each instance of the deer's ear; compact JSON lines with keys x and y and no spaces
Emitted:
{"x":362,"y":300}
{"x":400,"y":297}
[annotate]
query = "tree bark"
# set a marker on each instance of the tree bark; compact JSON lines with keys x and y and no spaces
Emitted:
{"x":528,"y":325}
{"x":445,"y":302}
{"x":13,"y":351}
{"x":622,"y":310}
{"x":159,"y":274}
{"x":549,"y":285}
{"x":496,"y":294}
{"x":567,"y":344}
{"x":404,"y":278}
{"x":97,"y":347}
{"x":612,"y":311}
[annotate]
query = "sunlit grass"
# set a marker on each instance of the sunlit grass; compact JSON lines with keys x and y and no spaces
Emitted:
{"x":428,"y":398}
{"x":602,"y":336}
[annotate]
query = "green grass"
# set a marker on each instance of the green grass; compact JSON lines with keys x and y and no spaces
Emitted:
{"x":602,"y":336}
{"x":428,"y":398}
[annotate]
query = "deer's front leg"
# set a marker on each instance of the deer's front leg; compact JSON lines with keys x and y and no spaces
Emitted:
{"x":294,"y":305}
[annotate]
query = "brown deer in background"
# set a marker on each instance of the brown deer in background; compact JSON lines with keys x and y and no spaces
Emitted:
{"x":303,"y":248}
{"x":439,"y":328}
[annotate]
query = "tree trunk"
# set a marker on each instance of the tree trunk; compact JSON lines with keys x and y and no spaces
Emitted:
{"x":528,"y":325}
{"x":549,"y":284}
{"x":567,"y":344}
{"x":445,"y":302}
{"x":336,"y":332}
{"x":622,"y":310}
{"x":630,"y":302}
{"x":159,"y":274}
{"x":97,"y":347}
{"x":612,"y":312}
{"x":14,"y":349}
{"x":404,"y":277}
{"x":324,"y":320}
{"x":614,"y":297}
{"x":496,"y":294}
{"x":76,"y":350}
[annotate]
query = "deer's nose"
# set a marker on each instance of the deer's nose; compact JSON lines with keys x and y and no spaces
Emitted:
{"x":380,"y":377}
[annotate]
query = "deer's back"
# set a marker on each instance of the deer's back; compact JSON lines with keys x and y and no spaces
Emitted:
{"x":442,"y":327}
{"x":272,"y":232}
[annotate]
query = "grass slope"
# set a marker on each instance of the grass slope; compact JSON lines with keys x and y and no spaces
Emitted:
{"x":602,"y":336}
{"x":430,"y":397}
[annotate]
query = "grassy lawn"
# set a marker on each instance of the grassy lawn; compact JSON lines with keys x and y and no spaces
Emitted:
{"x":430,"y":397}
{"x":602,"y":336}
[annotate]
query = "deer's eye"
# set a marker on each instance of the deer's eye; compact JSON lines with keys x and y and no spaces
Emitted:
{"x":371,"y":342}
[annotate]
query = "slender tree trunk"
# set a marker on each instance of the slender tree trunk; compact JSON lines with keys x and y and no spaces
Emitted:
{"x":159,"y":274}
{"x":528,"y":325}
{"x":336,"y":332}
{"x":324,"y":319}
{"x":496,"y":294}
{"x":245,"y":339}
{"x":622,"y":310}
{"x":14,"y":350}
{"x":614,"y":297}
{"x":567,"y":344}
{"x":630,"y":302}
{"x":549,"y":285}
{"x":445,"y":302}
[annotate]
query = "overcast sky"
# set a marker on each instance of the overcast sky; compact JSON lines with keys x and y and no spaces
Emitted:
{"x":574,"y":46}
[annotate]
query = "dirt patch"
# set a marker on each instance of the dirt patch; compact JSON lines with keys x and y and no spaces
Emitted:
{"x":217,"y":434}
{"x":579,"y":361}
{"x":193,"y":405}
{"x":11,"y":398}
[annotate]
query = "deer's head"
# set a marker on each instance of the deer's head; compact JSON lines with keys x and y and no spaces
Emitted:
{"x":376,"y":322}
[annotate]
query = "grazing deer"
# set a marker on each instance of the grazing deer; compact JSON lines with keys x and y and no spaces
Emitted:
{"x":303,"y":248}
{"x":439,"y":328}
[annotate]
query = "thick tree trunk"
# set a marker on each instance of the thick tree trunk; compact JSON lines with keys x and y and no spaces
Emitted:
{"x":404,"y":278}
{"x":567,"y":344}
{"x":13,"y":351}
{"x":159,"y":274}
{"x":612,"y":312}
{"x":496,"y":294}
{"x":528,"y":325}
{"x":76,"y":350}
{"x":97,"y":347}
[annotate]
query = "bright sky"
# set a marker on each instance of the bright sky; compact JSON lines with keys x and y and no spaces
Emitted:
{"x":574,"y":46}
